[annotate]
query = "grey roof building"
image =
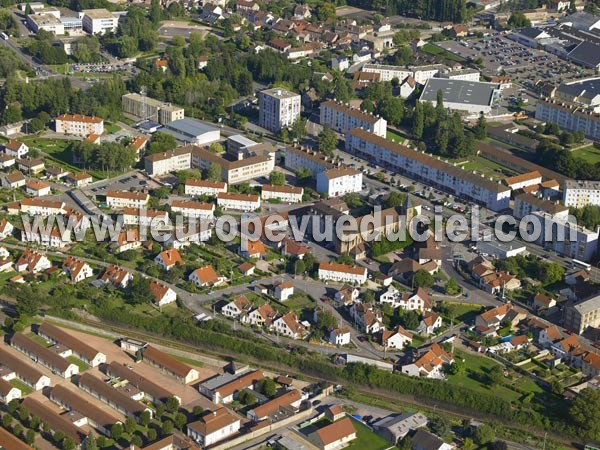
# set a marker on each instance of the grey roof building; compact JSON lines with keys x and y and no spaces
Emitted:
{"x":395,"y":426}
{"x":192,"y":131}
{"x":460,"y":95}
{"x":586,"y":54}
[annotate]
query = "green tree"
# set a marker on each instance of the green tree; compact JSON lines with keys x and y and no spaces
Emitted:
{"x":7,"y":420}
{"x":30,"y":437}
{"x":90,"y":442}
{"x":495,"y":375}
{"x":497,"y":445}
{"x":345,"y":258}
{"x":484,"y":434}
{"x":452,"y":287}
{"x":267,"y":386}
{"x":167,"y":428}
{"x":328,"y":141}
{"x":246,"y":397}
{"x":145,"y":418}
{"x":155,"y":12}
{"x":180,"y":420}
{"x":439,"y":425}
{"x":172,"y":404}
{"x":551,"y":273}
{"x":116,"y":431}
{"x":136,"y":440}
{"x":326,"y":11}
{"x":326,"y":320}
{"x":518,"y":20}
{"x":423,"y":279}
{"x":216,"y":147}
{"x":161,"y":142}
{"x":178,"y":41}
{"x":480,"y":129}
{"x":394,"y":200}
{"x":418,"y":121}
{"x":584,"y":413}
{"x":130,"y":425}
{"x":152,"y":434}
{"x":277,"y":178}
{"x":213,"y":172}
{"x":299,"y":267}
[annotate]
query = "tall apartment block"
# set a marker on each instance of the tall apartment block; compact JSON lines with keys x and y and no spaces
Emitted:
{"x":278,"y":109}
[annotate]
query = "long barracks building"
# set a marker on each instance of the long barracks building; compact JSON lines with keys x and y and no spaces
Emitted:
{"x":428,"y":169}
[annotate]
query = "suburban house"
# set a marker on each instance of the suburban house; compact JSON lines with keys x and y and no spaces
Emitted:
{"x":168,"y":259}
{"x":340,"y":336}
{"x":335,"y":435}
{"x":16,"y":149}
{"x":32,"y":261}
{"x":206,"y":276}
{"x":262,"y":316}
{"x":128,"y":240}
{"x":430,"y":363}
{"x":213,"y":427}
{"x":430,"y":323}
{"x":396,"y":339}
{"x":289,"y":325}
{"x":417,"y":301}
{"x":424,"y":440}
{"x":225,"y":388}
{"x":369,"y":321}
{"x":162,"y":294}
{"x":6,"y":228}
{"x":396,"y":426}
{"x":13,"y":180}
{"x":293,"y":248}
{"x":590,"y":365}
{"x":347,"y":295}
{"x":252,"y":249}
{"x":289,"y":401}
{"x":237,"y":309}
{"x":117,"y":276}
{"x":77,"y":269}
{"x":282,"y":291}
{"x":37,"y":188}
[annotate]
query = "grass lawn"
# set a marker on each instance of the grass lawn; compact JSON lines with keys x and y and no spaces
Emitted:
{"x":463,"y":312}
{"x":25,"y":390}
{"x":5,"y":276}
{"x":111,"y":128}
{"x":79,"y":363}
{"x":590,"y":154}
{"x":298,"y":302}
{"x":366,"y":439}
{"x":433,"y":49}
{"x":9,"y":195}
{"x":394,"y":136}
{"x":479,"y":366}
{"x":487,"y":168}
{"x":39,"y":340}
{"x":191,"y":362}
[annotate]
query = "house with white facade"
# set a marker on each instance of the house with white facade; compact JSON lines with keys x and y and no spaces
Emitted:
{"x":32,"y":261}
{"x":419,"y":300}
{"x":396,"y":339}
{"x":430,"y":323}
{"x":117,"y":276}
{"x":37,"y":188}
{"x":6,"y":228}
{"x":206,"y":276}
{"x":213,"y":427}
{"x":238,"y":309}
{"x":368,"y":320}
{"x":126,"y":199}
{"x":78,"y":125}
{"x":161,"y":293}
{"x":340,"y":336}
{"x":77,"y":269}
{"x":289,"y":325}
{"x":282,"y":291}
{"x":16,"y":149}
{"x":168,"y":259}
{"x":430,"y":363}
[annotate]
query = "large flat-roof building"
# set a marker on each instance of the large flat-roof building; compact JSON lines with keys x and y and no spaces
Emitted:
{"x":428,"y":169}
{"x":260,"y":164}
{"x":46,"y":22}
{"x":460,"y":95}
{"x":191,"y":131}
{"x":278,"y":109}
{"x":147,"y":108}
{"x":582,"y":315}
{"x":99,"y":21}
{"x":344,"y":118}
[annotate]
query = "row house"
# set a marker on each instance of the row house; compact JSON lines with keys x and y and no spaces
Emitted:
{"x":288,"y":194}
{"x":79,"y":349}
{"x":15,"y":368}
{"x":194,"y":210}
{"x":144,"y":217}
{"x":419,"y":300}
{"x":48,"y":358}
{"x":152,"y":391}
{"x":342,"y":273}
{"x":197,"y":188}
{"x":238,"y":202}
{"x":41,"y":207}
{"x":125,"y":199}
{"x":169,"y":365}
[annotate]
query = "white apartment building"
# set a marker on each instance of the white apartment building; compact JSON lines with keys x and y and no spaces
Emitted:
{"x":566,"y":238}
{"x":526,"y":204}
{"x":289,"y":194}
{"x":430,"y":170}
{"x":238,"y":202}
{"x":342,"y":273}
{"x":344,"y":118}
{"x":126,"y":199}
{"x":570,"y":118}
{"x":579,"y":193}
{"x":172,"y":161}
{"x":196,"y":210}
{"x":420,"y":73}
{"x":463,"y":74}
{"x":78,"y":125}
{"x":278,"y":109}
{"x":339,"y":181}
{"x":204,"y":187}
{"x":303,"y":158}
{"x":147,"y":108}
{"x":41,"y":207}
{"x":99,"y":21}
{"x":261,"y":164}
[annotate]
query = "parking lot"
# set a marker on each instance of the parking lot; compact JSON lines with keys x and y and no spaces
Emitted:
{"x":126,"y":182}
{"x":523,"y":64}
